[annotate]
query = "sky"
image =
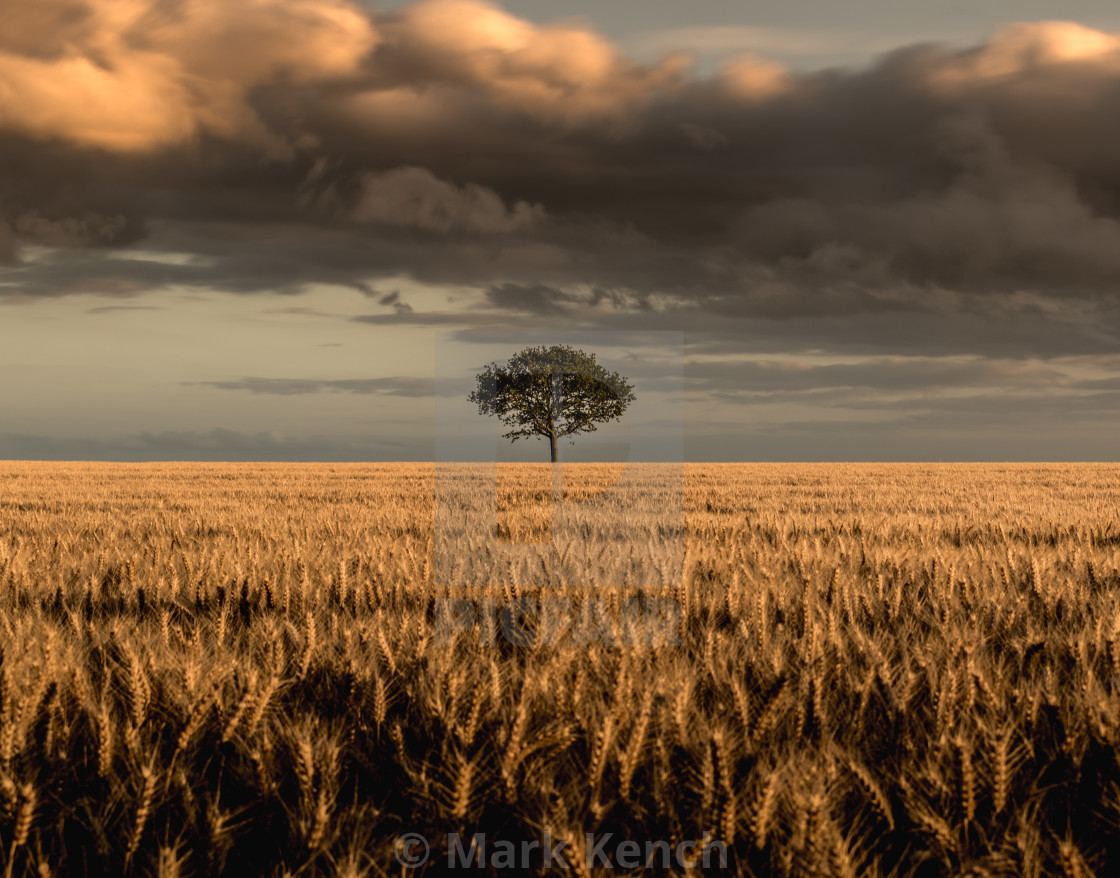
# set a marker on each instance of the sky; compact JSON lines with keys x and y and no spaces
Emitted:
{"x":296,"y":229}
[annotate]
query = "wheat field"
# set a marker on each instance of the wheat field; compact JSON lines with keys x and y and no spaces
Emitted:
{"x":858,"y":669}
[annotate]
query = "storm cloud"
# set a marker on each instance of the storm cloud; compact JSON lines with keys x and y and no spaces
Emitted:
{"x":393,"y":386}
{"x":540,"y":154}
{"x":942,"y":212}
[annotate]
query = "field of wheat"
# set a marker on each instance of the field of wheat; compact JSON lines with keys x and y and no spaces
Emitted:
{"x":865,"y":669}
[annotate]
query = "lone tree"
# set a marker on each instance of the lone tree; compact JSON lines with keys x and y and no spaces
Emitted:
{"x":552,"y":391}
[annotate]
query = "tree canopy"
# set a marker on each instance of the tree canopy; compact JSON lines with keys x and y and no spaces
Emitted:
{"x":553,"y":391}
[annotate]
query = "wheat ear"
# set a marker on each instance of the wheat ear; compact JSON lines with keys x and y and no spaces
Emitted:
{"x":26,"y":816}
{"x":143,"y":810}
{"x":764,"y":810}
{"x":873,"y":792}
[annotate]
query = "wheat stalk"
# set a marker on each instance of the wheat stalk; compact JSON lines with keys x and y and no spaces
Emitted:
{"x":765,"y":807}
{"x":24,"y":820}
{"x":682,"y":712}
{"x":193,"y":724}
{"x":10,"y":796}
{"x":1073,"y":863}
{"x":707,"y":783}
{"x":872,"y":792}
{"x":260,"y":705}
{"x":464,"y":780}
{"x":104,"y":741}
{"x":603,"y":742}
{"x":248,"y":698}
{"x":143,"y":810}
{"x":968,"y":780}
{"x":742,"y":706}
{"x":320,"y":821}
{"x":769,"y":714}
{"x":635,"y":747}
{"x":1001,"y":770}
{"x":305,"y":764}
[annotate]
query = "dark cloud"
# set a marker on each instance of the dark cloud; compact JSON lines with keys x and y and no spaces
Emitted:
{"x":214,"y":445}
{"x":429,"y":318}
{"x":534,"y":299}
{"x":902,"y":440}
{"x":88,"y":230}
{"x":1100,"y":384}
{"x":7,"y":245}
{"x":109,"y":309}
{"x":938,"y":201}
{"x":756,"y":380}
{"x":299,"y":311}
{"x":943,"y":224}
{"x":390,"y":386}
{"x":414,"y":198}
{"x":975,"y":325}
{"x":1071,"y":409}
{"x":703,"y":138}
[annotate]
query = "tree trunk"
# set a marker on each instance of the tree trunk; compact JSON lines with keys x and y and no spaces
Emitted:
{"x":553,"y":412}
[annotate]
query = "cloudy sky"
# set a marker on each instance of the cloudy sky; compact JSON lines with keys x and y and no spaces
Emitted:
{"x":294,"y":229}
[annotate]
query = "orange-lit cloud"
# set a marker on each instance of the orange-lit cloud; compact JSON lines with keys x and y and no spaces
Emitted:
{"x":748,"y":77}
{"x":285,"y":143}
{"x":1045,"y":46}
{"x":132,"y":75}
{"x":561,"y":71}
{"x":138,"y":75}
{"x":938,"y":224}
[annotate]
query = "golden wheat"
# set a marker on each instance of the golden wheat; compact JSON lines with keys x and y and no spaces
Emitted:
{"x":869,"y":667}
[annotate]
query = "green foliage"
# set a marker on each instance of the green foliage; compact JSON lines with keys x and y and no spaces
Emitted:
{"x":554,"y":392}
